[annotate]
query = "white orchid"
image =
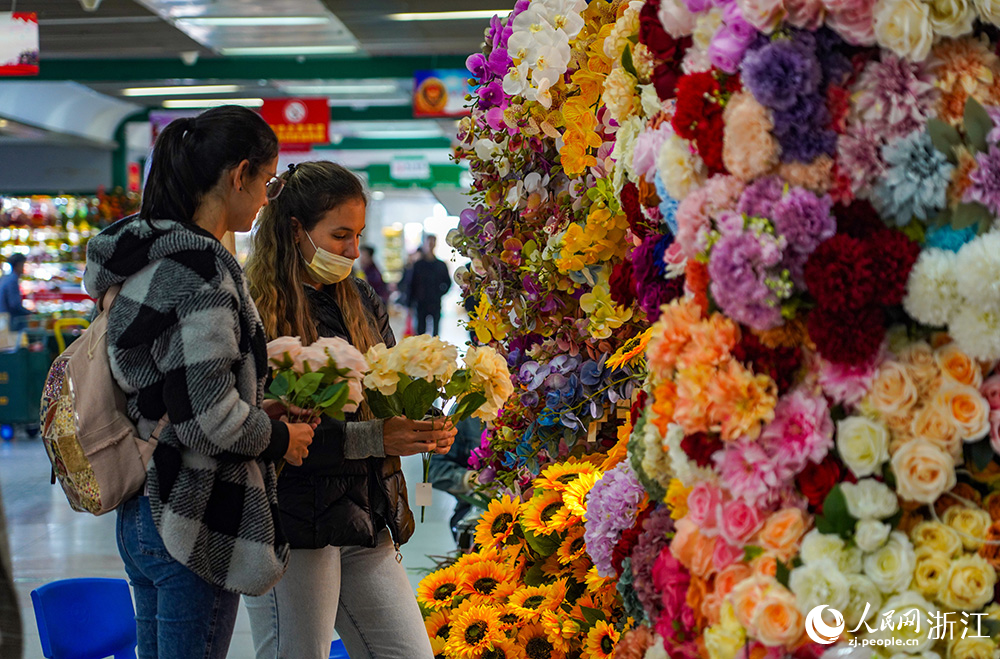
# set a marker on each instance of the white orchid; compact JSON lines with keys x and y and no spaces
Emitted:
{"x":516,"y":83}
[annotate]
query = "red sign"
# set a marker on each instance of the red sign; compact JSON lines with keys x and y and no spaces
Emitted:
{"x":18,"y":44}
{"x":134,"y":177}
{"x":298,"y":120}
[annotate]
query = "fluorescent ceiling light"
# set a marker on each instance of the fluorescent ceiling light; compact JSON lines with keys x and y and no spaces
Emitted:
{"x":191,"y":103}
{"x":478,"y":14}
{"x":397,"y":134}
{"x":339,"y":89}
{"x":290,"y":50}
{"x":180,"y":90}
{"x":254,"y":21}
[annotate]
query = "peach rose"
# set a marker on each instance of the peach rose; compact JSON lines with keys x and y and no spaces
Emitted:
{"x":765,"y":565}
{"x":923,"y":471}
{"x":783,"y":532}
{"x":749,"y":150}
{"x":958,"y":366}
{"x":921,"y":364}
{"x":893,"y":391}
{"x":283,"y":349}
{"x":746,"y":596}
{"x":934,"y":424}
{"x":968,"y":410}
{"x":777,"y":619}
{"x":727,"y":579}
{"x":692,"y":549}
{"x":991,"y":548}
{"x":695,"y":600}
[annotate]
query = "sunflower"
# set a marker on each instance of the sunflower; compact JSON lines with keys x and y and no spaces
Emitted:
{"x":438,"y":624}
{"x":540,"y":510}
{"x":594,"y":580}
{"x":529,"y":601}
{"x":573,"y":546}
{"x":510,"y":618}
{"x":474,"y":629}
{"x":559,"y":475}
{"x":536,"y":644}
{"x":601,"y":640}
{"x":438,"y":589}
{"x":505,"y":649}
{"x":631,"y":349}
{"x":437,"y":647}
{"x":559,"y":630}
{"x":554,"y":568}
{"x":581,"y":568}
{"x":619,"y":451}
{"x":575,"y":495}
{"x":481,"y":580}
{"x":498,"y":522}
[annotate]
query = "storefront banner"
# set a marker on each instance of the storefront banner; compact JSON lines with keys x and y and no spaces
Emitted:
{"x":298,"y":121}
{"x":18,"y":44}
{"x":441,"y":93}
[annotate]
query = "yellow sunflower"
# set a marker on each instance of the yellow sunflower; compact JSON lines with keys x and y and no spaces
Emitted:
{"x":530,"y":601}
{"x":510,"y":618}
{"x":601,"y":640}
{"x":505,"y":649}
{"x":676,"y":499}
{"x":439,"y":589}
{"x":540,"y":510}
{"x":559,"y":475}
{"x":619,"y":451}
{"x":573,"y":546}
{"x":481,"y":580}
{"x":438,"y":624}
{"x":437,"y":647}
{"x":560,"y":630}
{"x":474,"y":629}
{"x":581,"y":568}
{"x":554,"y":568}
{"x":498,"y":522}
{"x":595,"y":581}
{"x":631,"y":349}
{"x":536,"y":644}
{"x":575,"y":495}
{"x":564,"y":519}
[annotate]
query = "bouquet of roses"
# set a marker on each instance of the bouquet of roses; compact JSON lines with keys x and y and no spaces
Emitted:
{"x":408,"y":378}
{"x":321,"y":379}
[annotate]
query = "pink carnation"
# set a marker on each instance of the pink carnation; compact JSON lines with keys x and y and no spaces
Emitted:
{"x":703,"y":503}
{"x":739,"y":522}
{"x":847,"y":384}
{"x":853,"y":20}
{"x":805,"y":14}
{"x":693,"y":223}
{"x":749,"y":472}
{"x":647,"y":149}
{"x":801,"y":432}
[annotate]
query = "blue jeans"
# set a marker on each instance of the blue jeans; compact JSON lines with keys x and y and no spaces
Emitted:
{"x":178,"y":614}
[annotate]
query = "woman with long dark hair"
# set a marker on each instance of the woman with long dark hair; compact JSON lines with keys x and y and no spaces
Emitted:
{"x":187,"y":347}
{"x":345,"y":509}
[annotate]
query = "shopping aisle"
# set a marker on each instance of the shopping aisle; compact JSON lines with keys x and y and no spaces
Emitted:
{"x":49,"y":541}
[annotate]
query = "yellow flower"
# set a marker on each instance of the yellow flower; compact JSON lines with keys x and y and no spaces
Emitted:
{"x":481,"y":580}
{"x":969,"y":584}
{"x":594,"y":580}
{"x":538,"y":513}
{"x":438,"y":625}
{"x":676,"y":498}
{"x":559,"y":630}
{"x":439,"y":589}
{"x":486,"y":322}
{"x":575,"y":158}
{"x":488,"y":373}
{"x":576,"y":493}
{"x":601,"y":640}
{"x":498,"y":522}
{"x":560,"y":475}
{"x":474,"y":629}
{"x":602,"y":312}
{"x":634,"y":347}
{"x":573,"y":546}
{"x":619,"y":451}
{"x":381,"y":375}
{"x":536,"y":644}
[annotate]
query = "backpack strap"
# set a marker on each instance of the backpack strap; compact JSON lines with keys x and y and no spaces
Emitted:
{"x":159,"y":428}
{"x":108,"y":298}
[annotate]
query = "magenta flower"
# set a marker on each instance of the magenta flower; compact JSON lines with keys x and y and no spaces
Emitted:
{"x":801,"y":432}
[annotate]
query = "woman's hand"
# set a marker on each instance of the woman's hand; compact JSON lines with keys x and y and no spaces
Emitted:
{"x":400,"y":436}
{"x":276,"y":409}
{"x":300,"y":436}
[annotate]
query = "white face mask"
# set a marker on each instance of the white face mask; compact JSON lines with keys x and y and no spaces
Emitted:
{"x":327,"y":267}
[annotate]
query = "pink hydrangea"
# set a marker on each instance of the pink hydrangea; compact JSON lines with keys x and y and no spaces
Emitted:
{"x":801,"y":432}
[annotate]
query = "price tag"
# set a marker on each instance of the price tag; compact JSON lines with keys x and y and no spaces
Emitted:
{"x":424,"y":494}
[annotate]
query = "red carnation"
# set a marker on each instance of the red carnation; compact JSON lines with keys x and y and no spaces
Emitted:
{"x":781,"y":364}
{"x":665,"y":77}
{"x":699,"y":447}
{"x":709,"y":145}
{"x":840,"y":274}
{"x":893,"y":255}
{"x":816,"y":481}
{"x":850,"y":337}
{"x":638,"y":406}
{"x":858,"y":220}
{"x":622,"y":284}
{"x":625,"y":545}
{"x":633,"y":211}
{"x":695,"y":111}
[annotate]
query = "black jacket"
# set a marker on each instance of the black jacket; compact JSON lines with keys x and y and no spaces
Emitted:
{"x":429,"y":281}
{"x":331,"y":500}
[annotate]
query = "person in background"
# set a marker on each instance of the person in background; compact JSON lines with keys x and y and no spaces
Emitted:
{"x":186,"y":345}
{"x":345,"y":510}
{"x":428,"y":284}
{"x":11,"y":636}
{"x":403,"y":290}
{"x":372,"y":274}
{"x":10,"y":293}
{"x":450,"y":472}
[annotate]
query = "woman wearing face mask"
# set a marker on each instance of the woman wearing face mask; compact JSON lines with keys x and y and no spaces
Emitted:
{"x":345,"y":510}
{"x":186,"y":346}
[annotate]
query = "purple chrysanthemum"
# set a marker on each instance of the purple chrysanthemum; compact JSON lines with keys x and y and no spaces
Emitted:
{"x":985,"y":187}
{"x":805,"y":142}
{"x":897,"y":96}
{"x":759,"y":198}
{"x":804,"y":219}
{"x":780,"y":72}
{"x":859,"y":151}
{"x":611,"y":508}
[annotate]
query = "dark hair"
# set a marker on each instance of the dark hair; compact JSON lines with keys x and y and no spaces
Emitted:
{"x":191,"y":154}
{"x":16,"y":260}
{"x":368,"y":249}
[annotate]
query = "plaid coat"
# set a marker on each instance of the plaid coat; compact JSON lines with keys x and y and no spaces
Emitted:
{"x":185,"y":340}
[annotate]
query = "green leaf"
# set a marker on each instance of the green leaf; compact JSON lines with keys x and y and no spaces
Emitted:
{"x":980,"y":453}
{"x":468,"y":405}
{"x":627,"y":62}
{"x":966,"y":215}
{"x":751,"y":552}
{"x":978,"y":124}
{"x":990,"y":627}
{"x":458,"y":385}
{"x":534,"y":576}
{"x":282,"y":383}
{"x":383,"y":407}
{"x":418,"y":398}
{"x":782,"y":573}
{"x":835,"y":514}
{"x":545,"y":545}
{"x":328,"y":393}
{"x":593,"y":616}
{"x":945,"y":138}
{"x":307,"y":384}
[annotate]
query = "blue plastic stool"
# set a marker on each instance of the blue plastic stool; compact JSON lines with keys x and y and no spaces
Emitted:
{"x":85,"y":619}
{"x":337,"y":650}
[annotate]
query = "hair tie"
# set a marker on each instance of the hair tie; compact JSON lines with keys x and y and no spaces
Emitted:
{"x":186,"y":125}
{"x":291,"y":169}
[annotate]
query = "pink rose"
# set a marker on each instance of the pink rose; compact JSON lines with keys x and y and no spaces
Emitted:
{"x":725,"y":555}
{"x":765,"y":15}
{"x":312,"y":358}
{"x":703,"y":501}
{"x":991,"y":392}
{"x":284,"y":348}
{"x":726,"y":50}
{"x":739,"y":521}
{"x":805,"y":14}
{"x":853,"y":20}
{"x":995,"y":430}
{"x":677,"y":20}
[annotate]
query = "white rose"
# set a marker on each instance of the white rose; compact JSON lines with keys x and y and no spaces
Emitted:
{"x":870,"y":534}
{"x":313,"y":358}
{"x":820,"y":582}
{"x":681,"y":169}
{"x":343,"y":354}
{"x":951,"y":18}
{"x":850,"y":560}
{"x":861,"y":591}
{"x":870,"y":499}
{"x":910,"y":608}
{"x":989,"y":10}
{"x":863,"y":444}
{"x":818,"y":546}
{"x":904,"y":27}
{"x":891,"y":567}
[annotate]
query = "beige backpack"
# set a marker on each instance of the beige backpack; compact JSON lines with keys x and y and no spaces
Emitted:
{"x":95,"y":450}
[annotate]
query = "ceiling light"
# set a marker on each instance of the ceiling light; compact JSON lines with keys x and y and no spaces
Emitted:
{"x":192,"y":103}
{"x":254,"y":21}
{"x":339,"y":89}
{"x":3,"y":123}
{"x":479,"y":14}
{"x":414,"y":134}
{"x":180,"y":90}
{"x":290,"y":50}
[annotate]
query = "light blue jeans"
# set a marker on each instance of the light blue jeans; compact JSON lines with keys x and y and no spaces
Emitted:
{"x":361,"y":591}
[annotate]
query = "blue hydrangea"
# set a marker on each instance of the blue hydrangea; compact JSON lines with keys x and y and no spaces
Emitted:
{"x":947,"y":238}
{"x":916,"y":180}
{"x":668,"y":205}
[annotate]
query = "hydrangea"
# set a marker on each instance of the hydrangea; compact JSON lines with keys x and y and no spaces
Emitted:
{"x":916,"y":180}
{"x":611,"y":508}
